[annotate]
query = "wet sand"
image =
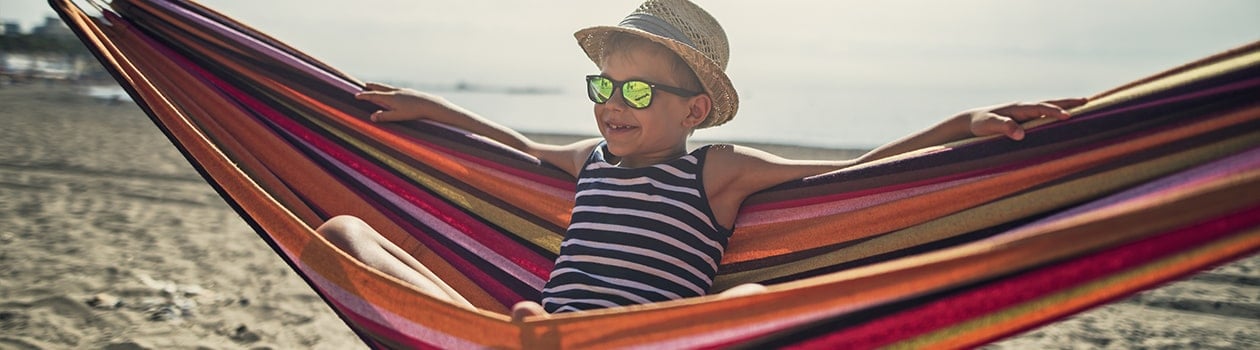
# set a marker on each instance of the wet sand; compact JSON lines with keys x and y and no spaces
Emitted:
{"x":109,"y":239}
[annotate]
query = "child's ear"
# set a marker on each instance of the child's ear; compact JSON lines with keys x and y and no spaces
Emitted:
{"x":698,"y":110}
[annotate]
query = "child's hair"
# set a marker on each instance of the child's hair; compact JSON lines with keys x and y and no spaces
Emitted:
{"x":621,"y":43}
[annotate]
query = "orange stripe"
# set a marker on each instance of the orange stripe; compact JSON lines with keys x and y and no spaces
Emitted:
{"x":1021,"y":205}
{"x":758,"y":242}
{"x":554,"y":210}
{"x":1052,"y":307}
{"x":1203,"y":62}
{"x":899,"y":279}
{"x":305,"y":176}
{"x":539,"y":203}
{"x":227,"y":143}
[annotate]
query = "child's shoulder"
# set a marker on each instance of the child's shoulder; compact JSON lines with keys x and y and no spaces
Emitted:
{"x":727,"y":160}
{"x":747,"y":169}
{"x":725,"y":154}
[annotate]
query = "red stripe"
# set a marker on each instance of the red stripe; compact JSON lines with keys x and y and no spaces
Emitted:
{"x":1231,"y":87}
{"x":1002,"y":294}
{"x":390,"y":336}
{"x":533,"y":176}
{"x":502,"y":245}
{"x":822,"y":199}
{"x":432,"y":205}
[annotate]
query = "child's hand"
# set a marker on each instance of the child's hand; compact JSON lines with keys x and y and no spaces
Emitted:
{"x":1006,"y":119}
{"x":402,"y":104}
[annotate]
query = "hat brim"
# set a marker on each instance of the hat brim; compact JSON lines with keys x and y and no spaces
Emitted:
{"x":711,"y":75}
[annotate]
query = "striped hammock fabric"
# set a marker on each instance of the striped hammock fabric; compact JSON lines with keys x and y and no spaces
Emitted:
{"x":951,"y":246}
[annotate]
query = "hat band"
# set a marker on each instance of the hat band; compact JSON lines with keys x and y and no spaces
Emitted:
{"x":657,"y":26}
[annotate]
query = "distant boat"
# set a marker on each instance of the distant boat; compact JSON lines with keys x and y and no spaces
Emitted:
{"x":24,"y":66}
{"x":107,"y":92}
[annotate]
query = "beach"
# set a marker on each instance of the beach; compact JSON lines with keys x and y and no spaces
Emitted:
{"x":110,"y":239}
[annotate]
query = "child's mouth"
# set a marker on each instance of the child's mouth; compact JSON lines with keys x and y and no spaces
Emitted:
{"x":619,"y":127}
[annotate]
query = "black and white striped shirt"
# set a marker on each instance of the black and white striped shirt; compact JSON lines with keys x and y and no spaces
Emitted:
{"x":637,"y":235}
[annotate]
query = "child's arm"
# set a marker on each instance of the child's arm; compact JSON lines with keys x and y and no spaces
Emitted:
{"x":733,"y":172}
{"x":984,"y":121}
{"x":405,"y":104}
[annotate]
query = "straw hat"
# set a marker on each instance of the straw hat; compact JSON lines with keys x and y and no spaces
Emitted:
{"x":688,"y":31}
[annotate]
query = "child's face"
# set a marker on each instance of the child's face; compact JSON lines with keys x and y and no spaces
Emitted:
{"x":659,"y":130}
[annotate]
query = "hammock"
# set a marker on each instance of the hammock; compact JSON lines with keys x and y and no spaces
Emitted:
{"x":950,"y":246}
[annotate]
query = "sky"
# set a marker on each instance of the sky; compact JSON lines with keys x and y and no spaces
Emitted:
{"x":901,"y":62}
{"x":508,"y":39}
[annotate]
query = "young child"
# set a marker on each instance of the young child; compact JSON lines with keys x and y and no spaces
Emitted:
{"x":651,"y":219}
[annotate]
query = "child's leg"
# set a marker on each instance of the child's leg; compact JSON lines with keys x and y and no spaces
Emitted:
{"x":361,"y":241}
{"x":743,"y":290}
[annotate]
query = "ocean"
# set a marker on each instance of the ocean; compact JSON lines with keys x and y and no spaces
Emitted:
{"x":815,"y":73}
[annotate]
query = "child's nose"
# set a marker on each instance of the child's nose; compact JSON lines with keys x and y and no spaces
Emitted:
{"x":617,"y":101}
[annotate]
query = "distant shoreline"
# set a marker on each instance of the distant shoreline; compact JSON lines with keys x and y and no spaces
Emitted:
{"x":782,"y":150}
{"x":112,"y":94}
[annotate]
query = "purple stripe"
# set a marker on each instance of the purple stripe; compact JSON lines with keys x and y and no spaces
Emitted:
{"x":257,"y":45}
{"x":1232,"y":165}
{"x":1240,"y":85}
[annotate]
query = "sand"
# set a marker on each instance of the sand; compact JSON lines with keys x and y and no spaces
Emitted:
{"x":109,"y":239}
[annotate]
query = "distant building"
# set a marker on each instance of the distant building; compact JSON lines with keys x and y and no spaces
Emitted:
{"x":54,"y":64}
{"x":52,"y":27}
{"x":22,"y":66}
{"x":11,"y":28}
{"x":28,"y":66}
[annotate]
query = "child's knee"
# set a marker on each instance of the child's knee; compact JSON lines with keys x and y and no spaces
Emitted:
{"x":526,"y":309}
{"x":342,"y":229}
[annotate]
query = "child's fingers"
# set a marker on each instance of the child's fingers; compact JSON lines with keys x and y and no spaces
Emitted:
{"x":379,"y":87}
{"x":1054,"y":111}
{"x":1023,"y":112}
{"x":378,"y":98}
{"x":391,"y":116}
{"x":997,"y":124}
{"x":1068,"y":103}
{"x":370,"y":96}
{"x":1026,"y":112}
{"x":1058,"y":108}
{"x":382,"y":116}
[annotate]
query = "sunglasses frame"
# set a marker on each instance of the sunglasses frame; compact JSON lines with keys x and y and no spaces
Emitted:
{"x":620,"y":85}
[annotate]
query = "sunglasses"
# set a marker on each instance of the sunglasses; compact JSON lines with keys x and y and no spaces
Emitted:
{"x":637,"y":93}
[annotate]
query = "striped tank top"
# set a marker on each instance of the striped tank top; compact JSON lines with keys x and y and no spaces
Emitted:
{"x":637,"y":235}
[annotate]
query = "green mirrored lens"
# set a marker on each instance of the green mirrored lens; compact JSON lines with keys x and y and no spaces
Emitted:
{"x":637,"y":94}
{"x":601,"y":89}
